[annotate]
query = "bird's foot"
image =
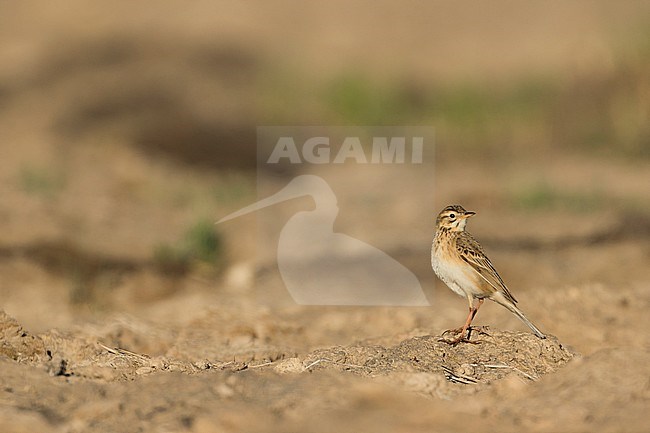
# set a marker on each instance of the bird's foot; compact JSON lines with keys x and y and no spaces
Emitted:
{"x":453,"y":331}
{"x":460,"y":338}
{"x":480,"y":330}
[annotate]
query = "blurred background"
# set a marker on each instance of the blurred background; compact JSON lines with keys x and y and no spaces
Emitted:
{"x":129,"y":128}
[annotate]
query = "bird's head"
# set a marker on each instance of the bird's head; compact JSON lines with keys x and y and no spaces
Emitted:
{"x":453,"y":218}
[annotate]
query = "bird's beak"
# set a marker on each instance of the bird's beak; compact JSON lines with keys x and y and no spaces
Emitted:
{"x":296,"y":188}
{"x":469,"y":213}
{"x":278,"y":197}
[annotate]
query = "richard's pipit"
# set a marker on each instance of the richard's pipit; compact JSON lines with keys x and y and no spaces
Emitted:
{"x":459,"y":261}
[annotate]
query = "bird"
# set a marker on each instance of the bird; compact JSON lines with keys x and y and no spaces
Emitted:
{"x":322,"y":267}
{"x":460,"y":262}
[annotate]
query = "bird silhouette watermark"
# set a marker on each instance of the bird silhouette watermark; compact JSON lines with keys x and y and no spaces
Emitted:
{"x":321,"y":267}
{"x":318,"y":265}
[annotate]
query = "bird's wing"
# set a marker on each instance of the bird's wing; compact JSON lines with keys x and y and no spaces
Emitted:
{"x":472,"y":253}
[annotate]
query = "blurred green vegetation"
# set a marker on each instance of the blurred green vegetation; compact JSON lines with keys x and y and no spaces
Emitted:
{"x":543,"y":196}
{"x":234,"y":188}
{"x":44,"y":182}
{"x":201,"y":246}
{"x":357,"y":100}
{"x":600,"y":112}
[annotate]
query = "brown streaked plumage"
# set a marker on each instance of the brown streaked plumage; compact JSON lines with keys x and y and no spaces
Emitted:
{"x":460,"y":262}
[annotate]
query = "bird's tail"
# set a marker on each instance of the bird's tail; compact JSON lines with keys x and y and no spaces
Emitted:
{"x":517,"y":312}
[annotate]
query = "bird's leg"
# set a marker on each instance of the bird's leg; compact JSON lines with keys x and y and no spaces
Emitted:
{"x":480,"y":302}
{"x":480,"y":329}
{"x":470,"y":316}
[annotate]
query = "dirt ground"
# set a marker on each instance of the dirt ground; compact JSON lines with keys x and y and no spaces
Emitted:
{"x":125,"y":131}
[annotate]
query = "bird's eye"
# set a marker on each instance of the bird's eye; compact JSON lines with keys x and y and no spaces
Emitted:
{"x":452,"y":216}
